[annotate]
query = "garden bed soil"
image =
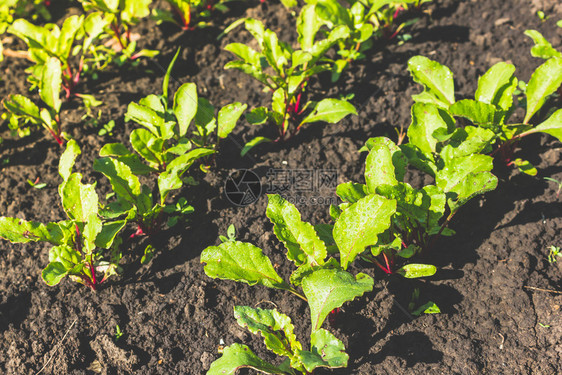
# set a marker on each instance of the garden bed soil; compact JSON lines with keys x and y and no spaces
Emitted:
{"x":174,"y":318}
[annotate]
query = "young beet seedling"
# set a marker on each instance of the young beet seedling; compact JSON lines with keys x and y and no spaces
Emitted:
{"x":162,"y":148}
{"x":51,"y":49}
{"x":416,"y":215}
{"x":81,"y":242}
{"x":189,"y":14}
{"x":325,"y":284}
{"x":118,"y":19}
{"x":492,"y":105}
{"x":364,"y":20}
{"x":285,"y":72}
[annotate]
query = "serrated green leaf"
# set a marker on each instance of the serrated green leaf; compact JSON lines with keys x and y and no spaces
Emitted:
{"x":327,"y":289}
{"x":330,"y":111}
{"x":275,"y":328}
{"x":185,"y":106}
{"x":240,"y":261}
{"x":437,"y":80}
{"x":237,"y":356}
{"x":228,"y":117}
{"x":300,"y":238}
{"x":359,"y":225}
{"x":544,"y":81}
{"x":412,"y":271}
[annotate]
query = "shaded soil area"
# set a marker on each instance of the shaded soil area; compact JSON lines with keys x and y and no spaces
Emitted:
{"x":174,"y":318}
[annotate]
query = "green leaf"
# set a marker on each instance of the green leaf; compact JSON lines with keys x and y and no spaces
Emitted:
{"x":251,"y":144}
{"x":497,"y":85}
{"x":426,"y":120}
{"x":240,"y":261}
{"x":228,"y":117}
{"x":78,"y":200}
{"x":351,"y":192}
{"x":437,"y":80}
{"x":91,"y":230}
{"x":148,"y":145}
{"x":114,"y":149}
{"x":20,"y":231}
{"x":412,"y":271}
{"x":185,"y":106}
{"x":326,"y":351}
{"x":257,"y":116}
{"x":166,"y":81}
{"x":333,"y":13}
{"x":544,"y":81}
{"x":542,"y":48}
{"x":308,"y":25}
{"x":479,"y":113}
{"x":330,"y":111}
{"x":276,"y":328}
{"x":552,"y":125}
{"x":124,"y":183}
{"x":146,"y":117}
{"x":428,"y":308}
{"x":170,"y":179}
{"x":68,"y":158}
{"x":525,"y":166}
{"x":327,"y":289}
{"x":237,"y":356}
{"x":300,"y":238}
{"x":385,"y":164}
{"x":108,"y":233}
{"x":359,"y":225}
{"x":50,"y":85}
{"x":248,"y":54}
{"x":70,"y":28}
{"x":22,"y":106}
{"x":274,"y":51}
{"x":54,"y":273}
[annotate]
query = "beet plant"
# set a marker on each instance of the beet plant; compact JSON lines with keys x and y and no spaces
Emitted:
{"x":492,"y":106}
{"x":285,"y":72}
{"x":319,"y":279}
{"x":365,"y":22}
{"x":119,"y":17}
{"x":417,"y":215}
{"x":190,"y":14}
{"x":172,"y":137}
{"x":84,"y":245}
{"x":52,"y":49}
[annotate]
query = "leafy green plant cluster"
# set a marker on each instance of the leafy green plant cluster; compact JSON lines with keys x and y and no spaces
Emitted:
{"x":84,"y":244}
{"x":190,"y":14}
{"x":365,"y":21}
{"x":490,"y":111}
{"x":285,"y":72}
{"x":319,"y":279}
